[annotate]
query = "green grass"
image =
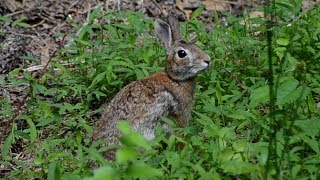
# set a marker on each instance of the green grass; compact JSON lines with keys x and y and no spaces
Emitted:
{"x":232,"y":134}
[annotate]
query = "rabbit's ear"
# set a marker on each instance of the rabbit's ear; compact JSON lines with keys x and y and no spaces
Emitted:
{"x":174,"y":24}
{"x":163,"y":33}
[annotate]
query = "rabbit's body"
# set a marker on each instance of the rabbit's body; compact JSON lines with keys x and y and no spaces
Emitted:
{"x":169,"y":93}
{"x":143,"y":103}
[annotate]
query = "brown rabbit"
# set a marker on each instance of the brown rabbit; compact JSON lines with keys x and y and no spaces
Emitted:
{"x":168,"y":93}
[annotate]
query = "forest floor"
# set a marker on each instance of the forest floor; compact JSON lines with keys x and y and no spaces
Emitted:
{"x":45,"y":19}
{"x":31,"y":41}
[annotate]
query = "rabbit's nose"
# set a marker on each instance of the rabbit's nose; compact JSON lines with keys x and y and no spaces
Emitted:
{"x":207,"y":61}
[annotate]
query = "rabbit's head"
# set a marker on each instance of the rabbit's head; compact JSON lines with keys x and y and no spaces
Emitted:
{"x":184,"y":59}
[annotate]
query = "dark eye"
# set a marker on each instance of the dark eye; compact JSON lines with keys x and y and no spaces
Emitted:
{"x":182,"y":54}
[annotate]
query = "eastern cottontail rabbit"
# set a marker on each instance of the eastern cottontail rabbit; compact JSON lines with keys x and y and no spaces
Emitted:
{"x":168,"y":93}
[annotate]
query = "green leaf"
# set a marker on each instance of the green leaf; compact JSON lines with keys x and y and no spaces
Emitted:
{"x":54,"y":171}
{"x":285,"y":4}
{"x":310,"y":127}
{"x":288,"y":92}
{"x":240,"y":114}
{"x":45,"y":108}
{"x":311,"y":103}
{"x":239,"y":167}
{"x":259,"y":96}
{"x":124,"y":127}
{"x":7,"y":145}
{"x":168,"y":121}
{"x":126,"y":154}
{"x":43,"y":121}
{"x":139,"y":74}
{"x":20,"y":22}
{"x":312,"y":142}
{"x":33,"y":130}
{"x":282,"y":41}
{"x":204,"y":119}
{"x":98,"y":94}
{"x":285,"y":90}
{"x":197,"y":12}
{"x":14,"y":73}
{"x":142,"y":170}
{"x":105,"y":173}
{"x":5,"y":19}
{"x":295,"y":170}
{"x":97,"y":79}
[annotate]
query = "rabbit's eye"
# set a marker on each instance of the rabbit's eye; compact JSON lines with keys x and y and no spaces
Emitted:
{"x":182,"y":54}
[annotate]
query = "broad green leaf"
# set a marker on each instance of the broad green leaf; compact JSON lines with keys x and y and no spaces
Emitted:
{"x":240,"y":114}
{"x":54,"y":171}
{"x":239,"y":167}
{"x":124,"y":127}
{"x":282,"y":41}
{"x":239,"y":145}
{"x":288,"y":92}
{"x":285,"y":91}
{"x":104,"y":173}
{"x":126,"y":154}
{"x":142,"y":170}
{"x":310,"y":127}
{"x":259,"y":96}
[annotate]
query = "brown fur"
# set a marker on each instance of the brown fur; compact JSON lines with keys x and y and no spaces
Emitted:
{"x":169,"y":93}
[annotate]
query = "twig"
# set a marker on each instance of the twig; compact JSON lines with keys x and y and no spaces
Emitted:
{"x":158,"y":6}
{"x":73,"y":4}
{"x":24,"y":35}
{"x":35,"y":25}
{"x":17,"y":12}
{"x":39,"y":67}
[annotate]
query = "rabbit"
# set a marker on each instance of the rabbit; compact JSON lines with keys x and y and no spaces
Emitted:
{"x":168,"y":93}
